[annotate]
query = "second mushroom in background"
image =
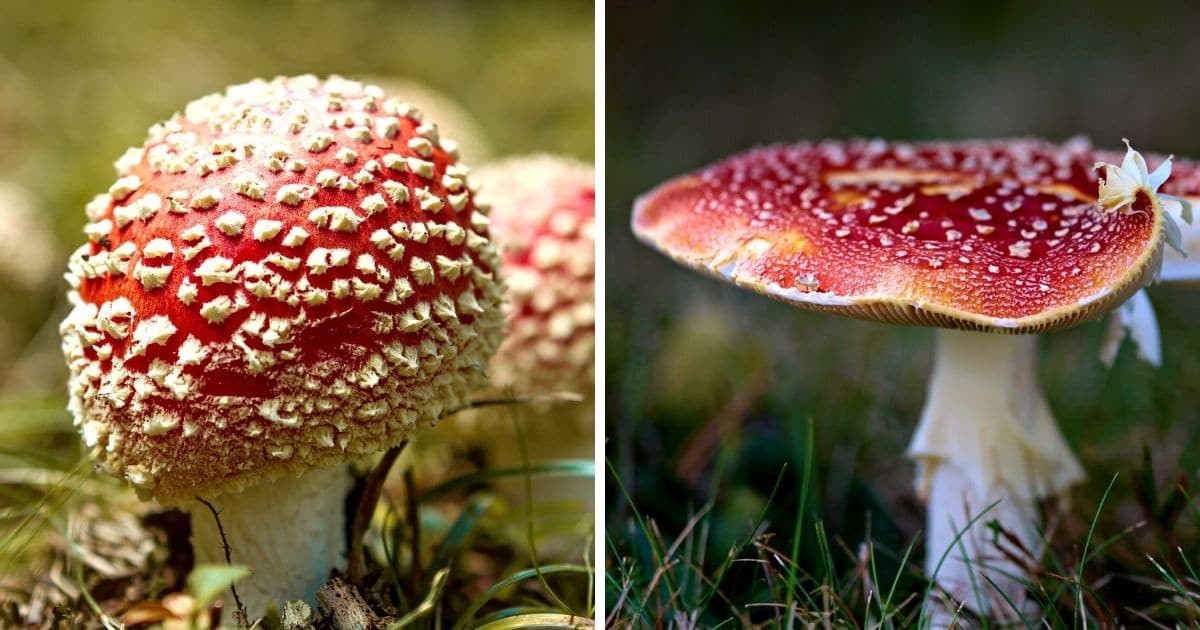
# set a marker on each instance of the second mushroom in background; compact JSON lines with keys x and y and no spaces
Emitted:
{"x":543,"y":212}
{"x":29,"y":264}
{"x":542,"y":219}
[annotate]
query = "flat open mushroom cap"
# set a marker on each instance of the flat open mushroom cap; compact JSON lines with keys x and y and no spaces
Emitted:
{"x":284,"y":276}
{"x":1003,"y":236}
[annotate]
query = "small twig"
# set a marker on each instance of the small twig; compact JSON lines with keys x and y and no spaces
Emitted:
{"x":414,"y":517}
{"x":356,"y":564}
{"x":243,"y":616}
{"x":516,"y":399}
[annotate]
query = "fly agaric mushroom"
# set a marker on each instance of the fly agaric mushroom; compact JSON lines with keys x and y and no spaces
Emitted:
{"x":285,"y":276}
{"x":543,"y":222}
{"x":973,"y":238}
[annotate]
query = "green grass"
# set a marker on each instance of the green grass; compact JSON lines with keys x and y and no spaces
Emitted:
{"x":467,"y":515}
{"x":1098,"y":578}
{"x":716,"y":394}
{"x":485,"y":556}
{"x":522,"y":584}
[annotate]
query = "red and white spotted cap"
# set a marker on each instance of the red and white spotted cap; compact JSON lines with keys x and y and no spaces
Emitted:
{"x":543,"y":221}
{"x":1009,"y":236}
{"x":285,"y":275}
{"x":1185,"y":177}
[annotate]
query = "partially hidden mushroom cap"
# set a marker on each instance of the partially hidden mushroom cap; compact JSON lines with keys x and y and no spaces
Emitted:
{"x":284,"y":276}
{"x":1005,"y":236}
{"x":1135,"y":318}
{"x":1184,"y":184}
{"x":543,"y":221}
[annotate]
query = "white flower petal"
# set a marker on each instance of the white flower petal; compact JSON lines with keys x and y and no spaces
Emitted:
{"x":1134,"y":164}
{"x":1160,"y":175}
{"x":1176,"y":268}
{"x":1174,"y":235}
{"x":1184,"y":206}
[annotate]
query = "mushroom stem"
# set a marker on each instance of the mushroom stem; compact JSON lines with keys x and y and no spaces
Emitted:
{"x":290,"y":532}
{"x":987,"y":449}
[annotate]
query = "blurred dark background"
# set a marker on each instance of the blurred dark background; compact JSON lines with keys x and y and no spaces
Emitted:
{"x":711,"y":388}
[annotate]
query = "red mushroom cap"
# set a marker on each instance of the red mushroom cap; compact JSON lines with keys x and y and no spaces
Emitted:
{"x":1000,"y":236}
{"x":285,"y":275}
{"x":543,"y":220}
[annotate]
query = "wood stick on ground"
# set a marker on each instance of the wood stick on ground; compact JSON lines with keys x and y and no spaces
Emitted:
{"x":346,"y":609}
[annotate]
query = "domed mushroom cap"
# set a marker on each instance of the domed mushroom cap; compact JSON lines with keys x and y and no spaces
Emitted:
{"x":543,"y":221}
{"x":1001,"y":236}
{"x":285,"y":275}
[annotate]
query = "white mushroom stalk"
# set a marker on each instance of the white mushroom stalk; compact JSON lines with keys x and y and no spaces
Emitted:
{"x":987,"y":449}
{"x":987,"y":446}
{"x":290,"y":532}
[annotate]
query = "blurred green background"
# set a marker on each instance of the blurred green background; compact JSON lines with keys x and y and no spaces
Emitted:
{"x":711,"y":388}
{"x":82,"y":81}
